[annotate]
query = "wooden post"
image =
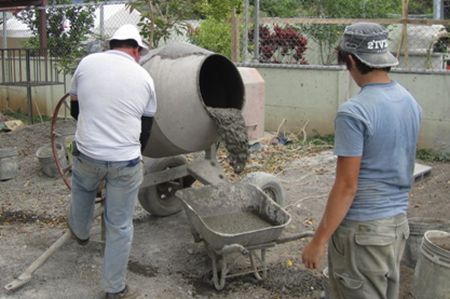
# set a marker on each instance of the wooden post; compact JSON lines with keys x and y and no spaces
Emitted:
{"x":234,"y":36}
{"x":43,"y":26}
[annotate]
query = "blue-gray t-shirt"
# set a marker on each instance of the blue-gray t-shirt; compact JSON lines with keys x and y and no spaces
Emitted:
{"x":381,"y":125}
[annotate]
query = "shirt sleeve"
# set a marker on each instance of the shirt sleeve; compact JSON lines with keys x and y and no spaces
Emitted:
{"x":349,"y":135}
{"x":74,"y":84}
{"x":150,"y":109}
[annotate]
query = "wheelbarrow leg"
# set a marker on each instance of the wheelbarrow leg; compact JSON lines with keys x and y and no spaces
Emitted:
{"x":218,"y":280}
{"x":262,"y":261}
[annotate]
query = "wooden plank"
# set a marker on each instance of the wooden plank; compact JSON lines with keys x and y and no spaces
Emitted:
{"x":18,"y":3}
{"x":421,"y":171}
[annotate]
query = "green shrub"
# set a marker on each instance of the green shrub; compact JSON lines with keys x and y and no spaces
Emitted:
{"x":214,"y":35}
{"x":430,"y":155}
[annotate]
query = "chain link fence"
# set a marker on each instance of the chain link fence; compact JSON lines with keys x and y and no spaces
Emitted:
{"x":73,"y":30}
{"x":309,"y":37}
{"x":420,"y":42}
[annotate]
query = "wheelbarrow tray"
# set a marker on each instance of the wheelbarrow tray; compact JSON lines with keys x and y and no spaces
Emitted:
{"x":242,"y":214}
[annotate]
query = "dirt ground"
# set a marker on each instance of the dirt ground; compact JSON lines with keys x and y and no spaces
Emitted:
{"x":165,"y":261}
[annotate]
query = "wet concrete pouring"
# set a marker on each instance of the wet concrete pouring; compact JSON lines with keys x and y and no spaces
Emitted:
{"x":165,"y":261}
{"x":232,"y":132}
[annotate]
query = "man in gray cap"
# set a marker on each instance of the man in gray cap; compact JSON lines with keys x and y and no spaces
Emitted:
{"x":364,"y":222}
{"x":117,"y":101}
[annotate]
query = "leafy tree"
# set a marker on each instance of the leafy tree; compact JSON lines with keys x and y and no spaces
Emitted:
{"x":214,"y":33}
{"x":67,"y":28}
{"x":160,"y":18}
{"x":421,"y":7}
{"x":281,"y":8}
{"x":352,"y":8}
{"x":217,"y":9}
{"x":326,"y":35}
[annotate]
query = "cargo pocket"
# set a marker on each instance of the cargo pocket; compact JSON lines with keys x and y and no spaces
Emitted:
{"x":374,"y":249}
{"x":375,"y":239}
{"x":349,"y":287}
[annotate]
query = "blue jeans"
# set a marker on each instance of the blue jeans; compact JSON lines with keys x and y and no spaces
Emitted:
{"x":122,"y":181}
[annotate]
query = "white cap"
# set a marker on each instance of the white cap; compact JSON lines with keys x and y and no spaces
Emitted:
{"x":129,"y":31}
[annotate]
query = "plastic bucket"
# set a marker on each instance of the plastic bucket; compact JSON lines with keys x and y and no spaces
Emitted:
{"x":8,"y":163}
{"x":417,"y":227}
{"x":45,"y":157}
{"x":432,"y":273}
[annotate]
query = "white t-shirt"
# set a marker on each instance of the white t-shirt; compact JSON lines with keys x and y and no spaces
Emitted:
{"x":113,"y":92}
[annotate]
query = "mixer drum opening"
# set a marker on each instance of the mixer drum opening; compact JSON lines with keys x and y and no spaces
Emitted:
{"x":220,"y":83}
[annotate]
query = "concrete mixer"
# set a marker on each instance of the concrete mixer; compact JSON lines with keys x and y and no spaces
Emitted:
{"x":188,"y":80}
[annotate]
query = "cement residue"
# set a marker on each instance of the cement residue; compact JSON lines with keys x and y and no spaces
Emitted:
{"x":302,"y":283}
{"x":442,"y":242}
{"x":141,"y":269}
{"x":175,"y":50}
{"x":236,"y":223}
{"x":232,"y":131}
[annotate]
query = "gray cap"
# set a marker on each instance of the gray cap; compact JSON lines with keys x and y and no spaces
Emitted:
{"x":368,"y":42}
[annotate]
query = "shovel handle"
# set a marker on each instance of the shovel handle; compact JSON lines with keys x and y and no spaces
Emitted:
{"x":26,"y":275}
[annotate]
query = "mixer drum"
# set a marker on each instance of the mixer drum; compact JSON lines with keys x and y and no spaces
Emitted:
{"x":188,"y":78}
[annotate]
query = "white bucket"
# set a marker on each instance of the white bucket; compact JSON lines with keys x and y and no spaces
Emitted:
{"x":48,"y":164}
{"x":432,"y":273}
{"x":8,"y":163}
{"x":417,"y":227}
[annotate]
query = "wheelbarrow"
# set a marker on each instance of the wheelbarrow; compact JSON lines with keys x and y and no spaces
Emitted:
{"x":235,"y":218}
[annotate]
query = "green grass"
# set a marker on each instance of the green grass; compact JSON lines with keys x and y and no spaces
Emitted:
{"x":320,"y":140}
{"x":429,"y":155}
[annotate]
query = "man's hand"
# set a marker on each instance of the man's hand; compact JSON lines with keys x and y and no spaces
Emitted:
{"x":312,"y":254}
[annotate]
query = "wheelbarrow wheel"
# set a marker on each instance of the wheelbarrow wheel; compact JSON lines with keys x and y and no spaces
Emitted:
{"x":160,"y":200}
{"x":269,"y":183}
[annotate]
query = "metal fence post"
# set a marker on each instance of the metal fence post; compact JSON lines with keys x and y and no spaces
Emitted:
{"x":102,"y":21}
{"x":5,"y":31}
{"x":234,"y":36}
{"x":438,"y":10}
{"x":28,"y":74}
{"x":245,"y":34}
{"x":256,"y":33}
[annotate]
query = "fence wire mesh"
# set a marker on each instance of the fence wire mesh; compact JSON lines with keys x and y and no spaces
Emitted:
{"x":309,"y":35}
{"x":305,"y":33}
{"x":73,"y":30}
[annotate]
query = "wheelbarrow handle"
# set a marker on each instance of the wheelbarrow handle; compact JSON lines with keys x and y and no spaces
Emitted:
{"x":303,"y":235}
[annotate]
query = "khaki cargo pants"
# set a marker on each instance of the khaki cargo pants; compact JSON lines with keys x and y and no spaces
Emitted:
{"x":364,"y":258}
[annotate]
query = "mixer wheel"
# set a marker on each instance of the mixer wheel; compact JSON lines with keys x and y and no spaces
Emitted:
{"x":269,"y":183}
{"x":160,"y":200}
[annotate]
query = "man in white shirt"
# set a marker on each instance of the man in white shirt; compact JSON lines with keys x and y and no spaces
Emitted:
{"x":117,"y":102}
